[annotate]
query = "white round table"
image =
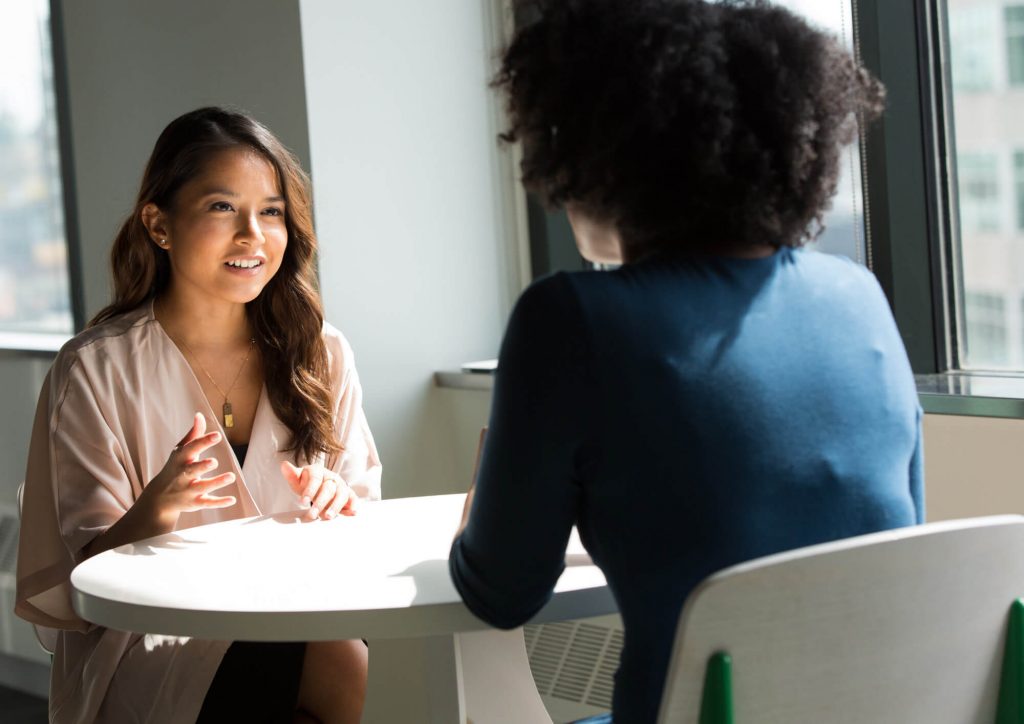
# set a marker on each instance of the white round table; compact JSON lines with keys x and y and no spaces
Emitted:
{"x":381,"y":575}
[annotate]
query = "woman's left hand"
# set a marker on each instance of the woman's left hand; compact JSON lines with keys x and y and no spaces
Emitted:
{"x":323,"y":490}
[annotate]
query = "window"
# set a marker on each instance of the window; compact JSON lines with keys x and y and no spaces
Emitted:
{"x":35,"y":294}
{"x":844,"y":223}
{"x":1018,"y":187}
{"x":973,"y":33}
{"x":986,"y":318}
{"x":1014,"y":17}
{"x":978,"y":176}
{"x":988,"y":165}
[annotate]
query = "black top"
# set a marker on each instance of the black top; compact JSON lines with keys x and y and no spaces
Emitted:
{"x":240,"y":450}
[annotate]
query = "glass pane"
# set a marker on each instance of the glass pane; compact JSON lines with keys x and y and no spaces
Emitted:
{"x":34,"y":287}
{"x":986,"y":316}
{"x":1018,"y":187}
{"x":986,"y":68}
{"x":978,"y":176}
{"x":1014,"y":15}
{"x":972,"y":36}
{"x":844,"y":223}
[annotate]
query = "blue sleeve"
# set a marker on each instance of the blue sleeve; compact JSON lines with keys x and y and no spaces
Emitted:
{"x":507,"y":560}
{"x":917,"y":472}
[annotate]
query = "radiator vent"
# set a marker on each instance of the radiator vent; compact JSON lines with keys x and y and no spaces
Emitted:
{"x":574,"y":661}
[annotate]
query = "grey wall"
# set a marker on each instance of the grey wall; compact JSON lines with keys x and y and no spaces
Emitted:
{"x":134,"y":65}
{"x":21,"y":376}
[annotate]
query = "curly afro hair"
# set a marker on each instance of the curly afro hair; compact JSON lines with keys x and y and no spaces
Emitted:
{"x":687,"y":124}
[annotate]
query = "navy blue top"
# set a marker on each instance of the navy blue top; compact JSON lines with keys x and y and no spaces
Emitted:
{"x":686,"y":415}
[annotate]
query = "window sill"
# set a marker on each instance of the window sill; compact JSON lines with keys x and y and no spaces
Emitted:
{"x":457,"y":380}
{"x":974,"y":394}
{"x":22,"y":342}
{"x":951,"y":393}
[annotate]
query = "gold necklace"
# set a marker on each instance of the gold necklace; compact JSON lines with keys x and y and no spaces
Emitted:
{"x":229,"y":419}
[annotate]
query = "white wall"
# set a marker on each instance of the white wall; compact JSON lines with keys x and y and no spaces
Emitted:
{"x":411,"y":190}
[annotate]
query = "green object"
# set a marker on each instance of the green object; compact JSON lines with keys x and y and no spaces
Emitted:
{"x":1010,"y":709}
{"x":716,"y":702}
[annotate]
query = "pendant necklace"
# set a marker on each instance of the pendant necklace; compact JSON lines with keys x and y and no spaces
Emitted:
{"x":229,"y":419}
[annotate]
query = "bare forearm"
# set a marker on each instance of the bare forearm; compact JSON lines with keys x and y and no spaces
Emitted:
{"x":141,"y":521}
{"x":472,"y":488}
{"x":465,"y":511}
{"x":177,"y":488}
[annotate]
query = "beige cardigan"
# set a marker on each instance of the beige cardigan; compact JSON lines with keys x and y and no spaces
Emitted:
{"x":116,"y":401}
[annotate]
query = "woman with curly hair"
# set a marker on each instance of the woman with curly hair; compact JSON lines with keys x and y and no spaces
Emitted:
{"x":725,"y":393}
{"x":211,"y":388}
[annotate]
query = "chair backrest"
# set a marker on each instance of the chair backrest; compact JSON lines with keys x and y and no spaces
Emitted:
{"x":905,"y":626}
{"x":47,"y":637}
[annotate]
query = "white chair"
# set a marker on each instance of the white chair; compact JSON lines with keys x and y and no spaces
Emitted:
{"x":903,"y":627}
{"x":47,"y":637}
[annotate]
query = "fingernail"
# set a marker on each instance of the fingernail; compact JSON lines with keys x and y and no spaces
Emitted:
{"x":329,"y":514}
{"x":313,"y":512}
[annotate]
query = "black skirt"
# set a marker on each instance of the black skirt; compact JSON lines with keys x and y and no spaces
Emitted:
{"x":256,"y":682}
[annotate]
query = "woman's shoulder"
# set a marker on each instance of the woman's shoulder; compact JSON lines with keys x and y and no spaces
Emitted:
{"x":553,"y":312}
{"x":551,"y":292}
{"x":340,"y":357}
{"x":838,"y":265}
{"x":334,"y":339}
{"x":837,"y":275}
{"x":111,"y":339}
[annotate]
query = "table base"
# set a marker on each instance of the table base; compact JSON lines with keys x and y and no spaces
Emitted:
{"x":478,"y":677}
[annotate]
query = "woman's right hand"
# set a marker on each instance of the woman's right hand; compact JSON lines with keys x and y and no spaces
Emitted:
{"x":179,"y":488}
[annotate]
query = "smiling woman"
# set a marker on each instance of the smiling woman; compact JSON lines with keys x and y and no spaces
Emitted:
{"x":212,"y":359}
{"x":226,"y":234}
{"x":224,"y":238}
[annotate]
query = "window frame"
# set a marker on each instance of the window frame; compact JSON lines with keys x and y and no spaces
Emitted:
{"x":911,"y":168}
{"x":1017,"y":25}
{"x":35,"y":342}
{"x":915,"y":251}
{"x":72,"y":233}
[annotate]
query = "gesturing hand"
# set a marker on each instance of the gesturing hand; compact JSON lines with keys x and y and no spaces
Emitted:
{"x":323,"y":490}
{"x":178,"y":487}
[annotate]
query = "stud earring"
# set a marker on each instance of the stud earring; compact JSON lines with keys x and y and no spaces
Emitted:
{"x":162,"y":242}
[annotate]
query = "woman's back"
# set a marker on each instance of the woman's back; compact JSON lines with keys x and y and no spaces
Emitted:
{"x":694,"y":413}
{"x":723,"y":395}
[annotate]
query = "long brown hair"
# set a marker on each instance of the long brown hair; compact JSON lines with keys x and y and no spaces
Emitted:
{"x":287,"y":317}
